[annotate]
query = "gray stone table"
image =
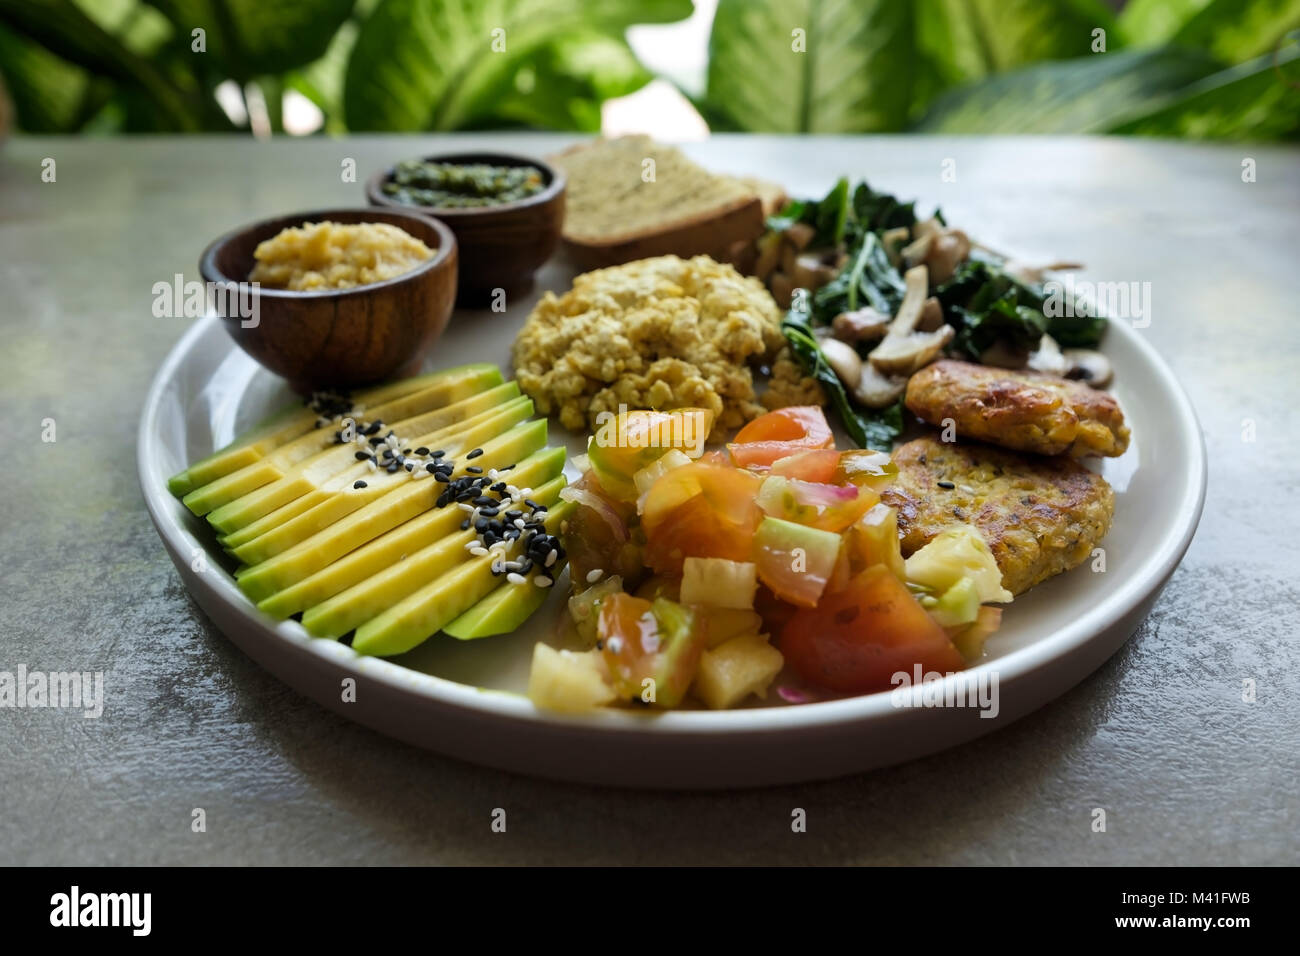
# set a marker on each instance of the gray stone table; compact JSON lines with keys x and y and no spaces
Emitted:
{"x":190,"y":722}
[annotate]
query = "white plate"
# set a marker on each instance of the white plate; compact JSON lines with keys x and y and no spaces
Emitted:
{"x":461,"y":698}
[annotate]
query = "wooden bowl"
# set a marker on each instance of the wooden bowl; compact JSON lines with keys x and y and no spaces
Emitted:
{"x":501,"y":247}
{"x":338,"y":338}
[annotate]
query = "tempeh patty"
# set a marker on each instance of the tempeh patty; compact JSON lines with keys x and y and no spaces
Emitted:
{"x":1024,"y":411}
{"x":1040,"y":516}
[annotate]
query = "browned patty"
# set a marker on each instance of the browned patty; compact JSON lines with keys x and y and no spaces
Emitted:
{"x":1040,"y":516}
{"x":1026,"y":411}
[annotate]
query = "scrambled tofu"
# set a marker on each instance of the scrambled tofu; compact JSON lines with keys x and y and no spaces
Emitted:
{"x":659,"y":333}
{"x":1025,"y":411}
{"x":1040,"y":516}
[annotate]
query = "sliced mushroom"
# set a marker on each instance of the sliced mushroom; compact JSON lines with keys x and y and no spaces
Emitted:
{"x":800,"y":235}
{"x":810,"y":272}
{"x":878,"y":391}
{"x":769,"y":254}
{"x":931,"y":315}
{"x":914,"y":253}
{"x":894,"y":240}
{"x":948,"y":250}
{"x":904,"y":349}
{"x":864,"y":383}
{"x":861,"y":325}
{"x":1085,"y":365}
{"x":782,"y":289}
{"x":1026,"y":272}
{"x":1002,"y":354}
{"x":1047,"y":357}
{"x":843,"y":360}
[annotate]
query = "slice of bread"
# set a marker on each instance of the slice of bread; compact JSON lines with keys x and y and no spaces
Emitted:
{"x":631,"y":198}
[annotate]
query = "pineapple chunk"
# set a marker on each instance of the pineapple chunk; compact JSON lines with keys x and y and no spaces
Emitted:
{"x":732,"y":671}
{"x":724,"y":623}
{"x":718,"y":582}
{"x":568,"y":682}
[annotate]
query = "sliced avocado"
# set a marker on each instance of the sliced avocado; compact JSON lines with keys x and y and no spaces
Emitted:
{"x":312,"y":473}
{"x":502,"y":611}
{"x":413,"y":620}
{"x":410,"y":499}
{"x":290,"y":423}
{"x":362,"y":602}
{"x":446,"y":390}
{"x":395,"y":545}
{"x":343,"y":498}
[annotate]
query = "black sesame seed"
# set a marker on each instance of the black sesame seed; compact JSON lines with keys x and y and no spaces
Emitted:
{"x":532,"y":504}
{"x":507,"y":468}
{"x":499,"y":487}
{"x":443,"y":499}
{"x":437,"y":454}
{"x":439,"y":476}
{"x":946,"y":484}
{"x":358,"y":484}
{"x":422,"y":450}
{"x":483,"y":501}
{"x":392,"y":468}
{"x":474,"y":470}
{"x":374,"y":427}
{"x":488,"y":512}
{"x":431,"y":468}
{"x":375,"y":442}
{"x":475,"y":453}
{"x":362,"y":455}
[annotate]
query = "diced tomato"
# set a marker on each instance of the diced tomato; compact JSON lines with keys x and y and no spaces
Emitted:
{"x":856,"y":640}
{"x":629,"y":441}
{"x":651,"y":648}
{"x":818,"y":465}
{"x":780,"y":434}
{"x":598,"y":534}
{"x":701,"y":510}
{"x":828,"y":507}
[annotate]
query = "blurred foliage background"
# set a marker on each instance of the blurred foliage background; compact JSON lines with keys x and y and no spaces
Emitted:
{"x":1193,"y":68}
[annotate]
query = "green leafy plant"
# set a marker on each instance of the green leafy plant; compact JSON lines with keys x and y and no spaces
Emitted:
{"x":1193,"y":68}
{"x":131,"y":65}
{"x":1203,"y":68}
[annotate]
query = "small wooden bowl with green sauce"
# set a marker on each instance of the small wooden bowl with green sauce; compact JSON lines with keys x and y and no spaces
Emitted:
{"x":501,"y":246}
{"x":338,"y":338}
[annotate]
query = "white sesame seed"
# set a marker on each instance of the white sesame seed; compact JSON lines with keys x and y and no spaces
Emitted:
{"x":550,"y":558}
{"x":542,"y":581}
{"x":463,"y":505}
{"x":592,"y":576}
{"x":515,"y":578}
{"x":519,"y":523}
{"x":479,"y":551}
{"x":512,"y":491}
{"x":493,"y":474}
{"x":371,"y":463}
{"x":471,"y":544}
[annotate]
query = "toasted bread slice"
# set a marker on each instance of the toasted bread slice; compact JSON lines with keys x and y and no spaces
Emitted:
{"x":631,"y":198}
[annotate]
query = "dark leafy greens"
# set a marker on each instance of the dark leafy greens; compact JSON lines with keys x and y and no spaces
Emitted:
{"x":981,"y":301}
{"x":869,"y":429}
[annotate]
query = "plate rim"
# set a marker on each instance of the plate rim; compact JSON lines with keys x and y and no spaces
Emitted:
{"x":167,"y":514}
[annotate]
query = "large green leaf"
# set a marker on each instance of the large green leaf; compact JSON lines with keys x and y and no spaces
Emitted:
{"x":1253,"y":101}
{"x":564,"y":84}
{"x":1154,"y":22}
{"x":431,"y":64}
{"x":1235,"y":30}
{"x":47,"y":91}
{"x":970,"y":39}
{"x":1232,"y":30}
{"x":245,"y":38}
{"x":853,"y":74}
{"x":1086,"y":95}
